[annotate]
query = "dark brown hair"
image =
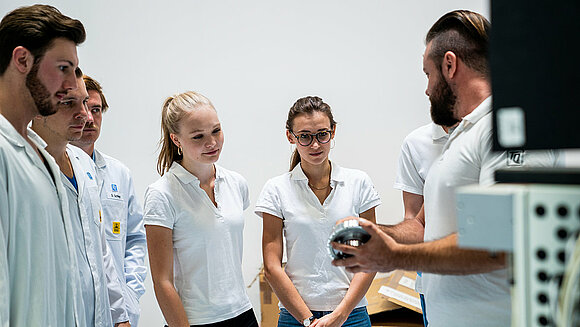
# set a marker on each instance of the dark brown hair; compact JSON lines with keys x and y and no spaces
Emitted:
{"x":307,"y":105}
{"x":35,"y":27}
{"x":93,"y":85}
{"x":466,"y":34}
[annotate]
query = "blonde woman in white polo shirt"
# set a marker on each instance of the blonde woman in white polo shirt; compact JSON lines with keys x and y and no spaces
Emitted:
{"x":194,"y":220}
{"x":302,"y":206}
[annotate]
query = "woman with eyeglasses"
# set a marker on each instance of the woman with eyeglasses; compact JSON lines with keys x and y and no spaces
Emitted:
{"x":194,"y":220}
{"x":303,"y":206}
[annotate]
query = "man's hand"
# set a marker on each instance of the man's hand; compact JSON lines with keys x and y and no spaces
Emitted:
{"x":123,"y":324}
{"x":378,"y":254}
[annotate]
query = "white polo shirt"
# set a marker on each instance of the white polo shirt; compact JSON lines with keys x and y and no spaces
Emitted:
{"x":477,"y":299}
{"x":418,"y":152}
{"x":207,"y":241}
{"x":308,"y":224}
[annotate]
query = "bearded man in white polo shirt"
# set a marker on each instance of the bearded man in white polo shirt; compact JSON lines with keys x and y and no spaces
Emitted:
{"x":462,"y":287}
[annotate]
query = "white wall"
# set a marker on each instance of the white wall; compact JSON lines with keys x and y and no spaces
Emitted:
{"x":253,"y":59}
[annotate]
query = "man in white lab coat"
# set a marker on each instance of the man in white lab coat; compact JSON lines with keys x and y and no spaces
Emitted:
{"x":38,"y":271}
{"x":102,"y":297}
{"x":122,"y":213}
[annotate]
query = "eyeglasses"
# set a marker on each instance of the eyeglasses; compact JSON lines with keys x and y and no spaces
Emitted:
{"x":305,"y":139}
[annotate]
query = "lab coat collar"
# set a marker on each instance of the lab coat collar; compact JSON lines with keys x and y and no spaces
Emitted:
{"x":100,"y":161}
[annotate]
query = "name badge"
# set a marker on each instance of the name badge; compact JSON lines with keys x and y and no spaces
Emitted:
{"x":114,"y":193}
{"x":115,"y":196}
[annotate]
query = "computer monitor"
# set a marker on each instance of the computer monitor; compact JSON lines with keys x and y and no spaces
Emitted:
{"x":535,"y":74}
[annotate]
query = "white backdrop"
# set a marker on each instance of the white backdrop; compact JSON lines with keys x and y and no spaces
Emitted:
{"x":253,"y":59}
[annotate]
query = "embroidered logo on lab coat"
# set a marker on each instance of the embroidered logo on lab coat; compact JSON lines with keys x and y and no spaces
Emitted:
{"x":115,"y":194}
{"x":116,"y":227}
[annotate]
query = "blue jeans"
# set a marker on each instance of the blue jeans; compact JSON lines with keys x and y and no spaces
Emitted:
{"x":357,"y":318}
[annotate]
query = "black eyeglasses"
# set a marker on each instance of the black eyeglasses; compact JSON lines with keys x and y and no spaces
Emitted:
{"x":305,"y":139}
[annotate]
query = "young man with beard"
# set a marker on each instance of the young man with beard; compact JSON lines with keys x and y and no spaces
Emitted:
{"x":122,"y":214}
{"x":462,"y":287}
{"x":38,"y":271}
{"x":102,"y":298}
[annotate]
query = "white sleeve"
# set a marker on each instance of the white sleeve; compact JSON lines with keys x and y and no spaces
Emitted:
{"x":4,"y":276}
{"x":136,"y":247}
{"x":245,"y":192}
{"x":369,"y":197}
{"x":157,"y":209}
{"x":408,"y":178}
{"x":269,"y":201}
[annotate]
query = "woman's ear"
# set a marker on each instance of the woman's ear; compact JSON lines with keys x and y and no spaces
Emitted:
{"x":333,"y":132}
{"x":175,"y":139}
{"x":290,"y":137}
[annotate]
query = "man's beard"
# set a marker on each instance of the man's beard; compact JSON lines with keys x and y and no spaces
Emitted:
{"x":39,"y":93}
{"x":442,"y":103}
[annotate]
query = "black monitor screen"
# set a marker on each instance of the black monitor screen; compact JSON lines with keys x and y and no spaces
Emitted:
{"x":535,"y":73}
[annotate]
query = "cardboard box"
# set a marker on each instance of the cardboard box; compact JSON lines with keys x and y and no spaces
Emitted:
{"x":384,"y":310}
{"x":399,"y":288}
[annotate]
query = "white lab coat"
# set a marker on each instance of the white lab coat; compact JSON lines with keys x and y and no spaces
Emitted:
{"x":108,"y":305}
{"x":123,"y":221}
{"x":38,"y":268}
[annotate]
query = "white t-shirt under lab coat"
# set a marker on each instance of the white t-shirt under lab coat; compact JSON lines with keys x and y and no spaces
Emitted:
{"x":477,"y":299}
{"x":308,"y":224}
{"x":207,"y":241}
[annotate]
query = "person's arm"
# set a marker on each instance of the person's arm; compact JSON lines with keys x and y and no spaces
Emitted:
{"x":412,"y":203}
{"x":134,"y":265}
{"x":160,"y":248}
{"x":272,"y":249}
{"x":359,"y":286}
{"x":4,"y":276}
{"x":443,"y":256}
{"x":410,"y":230}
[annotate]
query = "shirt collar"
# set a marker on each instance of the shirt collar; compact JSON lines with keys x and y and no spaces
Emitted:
{"x":483,"y":109}
{"x":336,"y":174}
{"x":36,"y":138}
{"x":100,"y":161}
{"x":186,"y":177}
{"x":437,"y":132}
{"x":10,"y":132}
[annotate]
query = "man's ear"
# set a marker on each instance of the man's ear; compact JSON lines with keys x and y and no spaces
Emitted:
{"x":22,"y":59}
{"x":449,"y":65}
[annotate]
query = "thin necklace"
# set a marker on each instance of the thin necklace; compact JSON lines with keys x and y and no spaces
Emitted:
{"x":319,"y":189}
